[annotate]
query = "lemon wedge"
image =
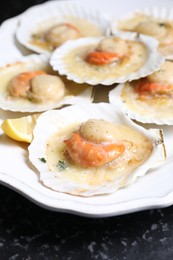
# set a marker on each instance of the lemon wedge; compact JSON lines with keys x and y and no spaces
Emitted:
{"x":20,"y":129}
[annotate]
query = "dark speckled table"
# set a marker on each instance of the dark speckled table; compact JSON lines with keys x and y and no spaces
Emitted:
{"x":30,"y":232}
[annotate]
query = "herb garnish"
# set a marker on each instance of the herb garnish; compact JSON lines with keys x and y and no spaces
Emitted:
{"x":35,"y":36}
{"x":61,"y":165}
{"x":43,"y":160}
{"x":162,"y":24}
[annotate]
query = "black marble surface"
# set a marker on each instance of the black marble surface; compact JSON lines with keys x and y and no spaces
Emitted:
{"x":30,"y":232}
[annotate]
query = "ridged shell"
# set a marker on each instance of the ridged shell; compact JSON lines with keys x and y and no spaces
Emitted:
{"x":51,"y":13}
{"x":139,"y":111}
{"x":36,"y":62}
{"x":163,"y":13}
{"x":58,"y":62}
{"x":55,"y":121}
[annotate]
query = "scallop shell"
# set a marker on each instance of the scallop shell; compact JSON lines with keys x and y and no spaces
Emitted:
{"x":139,"y":111}
{"x":55,"y":121}
{"x":46,"y":15}
{"x":37,"y":62}
{"x":163,"y":13}
{"x":58,"y":63}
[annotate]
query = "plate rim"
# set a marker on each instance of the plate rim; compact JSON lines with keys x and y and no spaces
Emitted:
{"x":130,"y":206}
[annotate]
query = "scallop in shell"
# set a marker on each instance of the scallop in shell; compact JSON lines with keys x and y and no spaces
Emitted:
{"x":154,"y":21}
{"x":149,"y":99}
{"x":79,"y":59}
{"x":136,"y":149}
{"x":42,"y":92}
{"x":46,"y":26}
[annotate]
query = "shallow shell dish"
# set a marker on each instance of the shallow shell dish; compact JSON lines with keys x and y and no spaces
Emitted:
{"x":73,"y":92}
{"x":46,"y":152}
{"x":69,"y":60}
{"x":147,"y":100}
{"x":36,"y":22}
{"x":161,"y":15}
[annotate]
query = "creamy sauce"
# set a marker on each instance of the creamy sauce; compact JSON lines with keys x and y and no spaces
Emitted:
{"x":160,"y":29}
{"x":86,"y":29}
{"x":157,"y":106}
{"x":166,"y":49}
{"x":9,"y":72}
{"x":138,"y":149}
{"x":160,"y":106}
{"x":76,"y":64}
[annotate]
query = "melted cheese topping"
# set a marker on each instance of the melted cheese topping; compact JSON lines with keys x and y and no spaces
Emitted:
{"x":131,"y":62}
{"x":138,"y":149}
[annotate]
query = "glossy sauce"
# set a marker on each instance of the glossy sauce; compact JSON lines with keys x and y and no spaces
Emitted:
{"x":8,"y":72}
{"x":160,"y":106}
{"x":86,"y":29}
{"x":135,"y":59}
{"x":161,"y":29}
{"x":138,"y":149}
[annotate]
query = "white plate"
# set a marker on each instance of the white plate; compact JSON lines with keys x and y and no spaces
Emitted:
{"x":154,"y":190}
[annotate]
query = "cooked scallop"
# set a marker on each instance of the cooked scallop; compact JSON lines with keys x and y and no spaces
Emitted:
{"x":46,"y":88}
{"x":114,"y":45}
{"x":30,"y":85}
{"x":59,"y":34}
{"x":49,"y":25}
{"x":92,"y":149}
{"x":107,"y":60}
{"x":150,"y":99}
{"x":155,"y":22}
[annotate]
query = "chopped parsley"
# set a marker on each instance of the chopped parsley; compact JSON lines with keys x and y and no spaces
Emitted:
{"x":43,"y":160}
{"x":61,"y":165}
{"x":162,"y":24}
{"x":35,"y":36}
